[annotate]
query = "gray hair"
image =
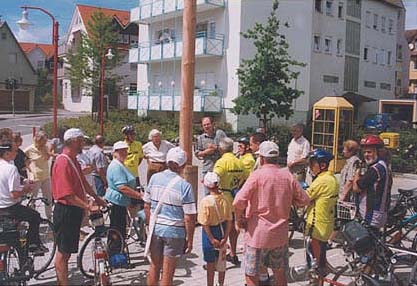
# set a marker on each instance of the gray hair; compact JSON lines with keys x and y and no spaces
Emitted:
{"x":226,"y":145}
{"x":271,"y":160}
{"x":299,"y":126}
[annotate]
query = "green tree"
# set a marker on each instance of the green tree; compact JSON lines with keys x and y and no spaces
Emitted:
{"x":43,"y":91}
{"x":85,"y":58}
{"x":264,"y":80}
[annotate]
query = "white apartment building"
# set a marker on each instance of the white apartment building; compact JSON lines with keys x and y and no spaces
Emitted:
{"x":75,"y":98}
{"x":330,"y":36}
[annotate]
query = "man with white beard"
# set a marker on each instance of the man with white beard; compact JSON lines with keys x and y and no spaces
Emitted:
{"x":374,"y":186}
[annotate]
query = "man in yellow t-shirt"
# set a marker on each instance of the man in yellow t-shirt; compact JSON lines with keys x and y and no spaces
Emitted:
{"x":134,"y":152}
{"x":323,"y":193}
{"x":232,"y":175}
{"x":245,"y":155}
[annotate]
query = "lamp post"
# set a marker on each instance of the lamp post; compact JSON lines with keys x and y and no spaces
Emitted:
{"x":24,"y":24}
{"x":109,"y":56}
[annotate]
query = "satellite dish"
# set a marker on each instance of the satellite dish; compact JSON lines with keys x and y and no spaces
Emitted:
{"x":411,"y":46}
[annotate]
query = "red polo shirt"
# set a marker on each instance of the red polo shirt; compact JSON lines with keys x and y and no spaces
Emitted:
{"x":65,"y":180}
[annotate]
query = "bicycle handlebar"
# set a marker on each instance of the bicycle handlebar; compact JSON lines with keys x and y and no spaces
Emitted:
{"x":32,"y":199}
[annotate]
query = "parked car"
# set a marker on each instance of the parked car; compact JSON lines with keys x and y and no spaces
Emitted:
{"x":382,"y":122}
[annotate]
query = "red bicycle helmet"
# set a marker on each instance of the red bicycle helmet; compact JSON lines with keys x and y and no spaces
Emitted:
{"x":372,"y":141}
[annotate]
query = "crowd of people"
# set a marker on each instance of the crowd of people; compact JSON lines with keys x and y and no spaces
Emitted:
{"x":247,"y":193}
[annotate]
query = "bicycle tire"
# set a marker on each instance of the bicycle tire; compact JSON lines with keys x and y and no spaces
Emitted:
{"x":85,"y":259}
{"x":412,"y":279}
{"x":335,"y":265}
{"x":13,"y":254}
{"x":48,"y":239}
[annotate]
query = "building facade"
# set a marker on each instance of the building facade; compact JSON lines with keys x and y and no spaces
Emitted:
{"x":20,"y":70}
{"x":76,"y":98}
{"x":412,"y":42}
{"x":349,"y":48}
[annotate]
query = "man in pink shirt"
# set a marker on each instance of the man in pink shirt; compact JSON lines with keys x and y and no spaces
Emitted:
{"x":267,"y":196}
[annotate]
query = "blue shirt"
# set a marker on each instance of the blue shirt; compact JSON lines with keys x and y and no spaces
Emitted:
{"x":118,"y":175}
{"x":177,"y":202}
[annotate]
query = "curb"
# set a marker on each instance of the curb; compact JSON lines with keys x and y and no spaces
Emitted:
{"x":406,"y":176}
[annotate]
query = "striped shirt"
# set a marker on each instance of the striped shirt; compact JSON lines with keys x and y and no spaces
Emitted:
{"x":178,"y":202}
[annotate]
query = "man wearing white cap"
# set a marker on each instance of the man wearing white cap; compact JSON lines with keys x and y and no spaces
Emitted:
{"x":267,"y":196}
{"x":70,"y":189}
{"x":171,"y":212}
{"x":155,"y":152}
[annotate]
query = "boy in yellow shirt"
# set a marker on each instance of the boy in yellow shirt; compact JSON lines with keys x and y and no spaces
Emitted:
{"x":323,"y":193}
{"x":215,"y":216}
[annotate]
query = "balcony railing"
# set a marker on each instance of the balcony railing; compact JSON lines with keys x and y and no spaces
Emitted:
{"x":153,"y":8}
{"x":205,"y":100}
{"x":206,"y":44}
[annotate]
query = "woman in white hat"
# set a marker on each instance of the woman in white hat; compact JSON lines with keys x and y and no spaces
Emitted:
{"x":121,"y":188}
{"x":155,"y":152}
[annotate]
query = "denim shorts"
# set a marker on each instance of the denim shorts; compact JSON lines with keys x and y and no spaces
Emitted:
{"x":271,"y":258}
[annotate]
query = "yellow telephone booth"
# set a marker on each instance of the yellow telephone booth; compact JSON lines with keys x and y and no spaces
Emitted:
{"x":332,"y":125}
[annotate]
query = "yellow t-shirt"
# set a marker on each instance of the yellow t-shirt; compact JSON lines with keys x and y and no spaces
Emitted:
{"x":323,"y":192}
{"x":38,"y":166}
{"x":207,"y":214}
{"x":248,"y":163}
{"x":231,"y":173}
{"x":134,"y":154}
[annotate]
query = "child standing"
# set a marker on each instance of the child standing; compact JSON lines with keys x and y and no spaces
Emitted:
{"x":215,"y":215}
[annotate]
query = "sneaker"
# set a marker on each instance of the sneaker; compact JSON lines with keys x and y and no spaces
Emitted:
{"x":38,"y":249}
{"x":233,"y":259}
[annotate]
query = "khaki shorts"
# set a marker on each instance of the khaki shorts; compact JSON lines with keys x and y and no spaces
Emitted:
{"x":165,"y":246}
{"x":271,"y":258}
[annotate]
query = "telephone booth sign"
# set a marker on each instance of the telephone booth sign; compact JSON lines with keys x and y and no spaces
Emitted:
{"x":332,"y":125}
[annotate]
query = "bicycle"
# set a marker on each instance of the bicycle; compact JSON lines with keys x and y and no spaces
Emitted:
{"x":19,"y":263}
{"x":102,"y":251}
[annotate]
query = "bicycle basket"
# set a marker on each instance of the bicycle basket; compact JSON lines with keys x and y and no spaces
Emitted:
{"x":346,"y":210}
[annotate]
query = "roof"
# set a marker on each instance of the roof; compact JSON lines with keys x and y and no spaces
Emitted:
{"x":411,"y":35}
{"x":48,"y":50}
{"x":397,"y":3}
{"x":86,"y":12}
{"x":332,"y":102}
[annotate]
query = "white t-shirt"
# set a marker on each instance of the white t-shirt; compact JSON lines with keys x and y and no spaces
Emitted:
{"x":157,"y":155}
{"x":9,"y":181}
{"x":298,"y":149}
{"x":84,"y":161}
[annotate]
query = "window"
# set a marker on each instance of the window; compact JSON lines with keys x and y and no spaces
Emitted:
{"x":389,"y":55}
{"x":339,"y":47}
{"x":383,"y":19}
{"x":12,"y":58}
{"x":164,"y":36}
{"x":366,"y":54}
{"x":382,"y":57}
{"x":390,"y":26}
{"x":317,"y":43}
{"x":340,"y":11}
{"x":370,"y":84}
{"x":329,"y":7}
{"x":399,"y":52}
{"x":375,"y":56}
{"x":318,"y":6}
{"x":3,"y":35}
{"x":375,"y":24}
{"x":330,"y":79}
{"x":413,"y":62}
{"x":368,"y":19}
{"x":385,"y":86}
{"x":327,"y":45}
{"x":40,"y":64}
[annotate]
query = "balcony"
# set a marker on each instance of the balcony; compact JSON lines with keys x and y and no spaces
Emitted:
{"x":149,"y":10}
{"x":211,"y":44}
{"x":205,"y":100}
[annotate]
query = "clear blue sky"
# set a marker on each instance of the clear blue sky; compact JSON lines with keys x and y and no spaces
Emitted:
{"x":63,"y":9}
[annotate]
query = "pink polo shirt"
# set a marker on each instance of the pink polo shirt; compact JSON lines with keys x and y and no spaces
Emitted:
{"x":267,"y":195}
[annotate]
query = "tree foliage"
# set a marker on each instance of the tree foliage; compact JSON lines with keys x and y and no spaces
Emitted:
{"x":264,"y":80}
{"x":85,"y":57}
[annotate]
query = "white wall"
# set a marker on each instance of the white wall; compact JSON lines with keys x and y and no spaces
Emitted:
{"x":35,"y":56}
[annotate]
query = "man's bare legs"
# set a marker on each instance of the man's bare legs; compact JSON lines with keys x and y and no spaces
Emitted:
{"x":61,"y":267}
{"x":154,"y":270}
{"x":168,"y":271}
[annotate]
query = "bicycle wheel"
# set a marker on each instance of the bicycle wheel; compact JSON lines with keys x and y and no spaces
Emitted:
{"x":412,"y":279}
{"x":13,"y":268}
{"x":86,"y":260}
{"x":48,"y":239}
{"x":338,"y":260}
{"x":292,"y":222}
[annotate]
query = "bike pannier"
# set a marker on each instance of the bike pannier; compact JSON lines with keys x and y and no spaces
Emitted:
{"x":358,"y":237}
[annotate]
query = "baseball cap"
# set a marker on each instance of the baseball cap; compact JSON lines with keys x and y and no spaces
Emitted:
{"x":211,"y":180}
{"x":268,"y":149}
{"x":154,"y":132}
{"x":177,"y":155}
{"x":120,"y":145}
{"x":73,"y":133}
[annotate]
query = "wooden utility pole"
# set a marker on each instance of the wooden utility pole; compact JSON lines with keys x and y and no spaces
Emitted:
{"x":187,"y":95}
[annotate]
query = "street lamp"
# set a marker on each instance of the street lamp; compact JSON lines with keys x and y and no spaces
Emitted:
{"x":109,"y":56}
{"x":24,"y":24}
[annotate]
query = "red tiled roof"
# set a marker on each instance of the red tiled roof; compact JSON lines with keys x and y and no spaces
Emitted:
{"x":411,"y":35}
{"x":48,"y":50}
{"x":86,"y":12}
